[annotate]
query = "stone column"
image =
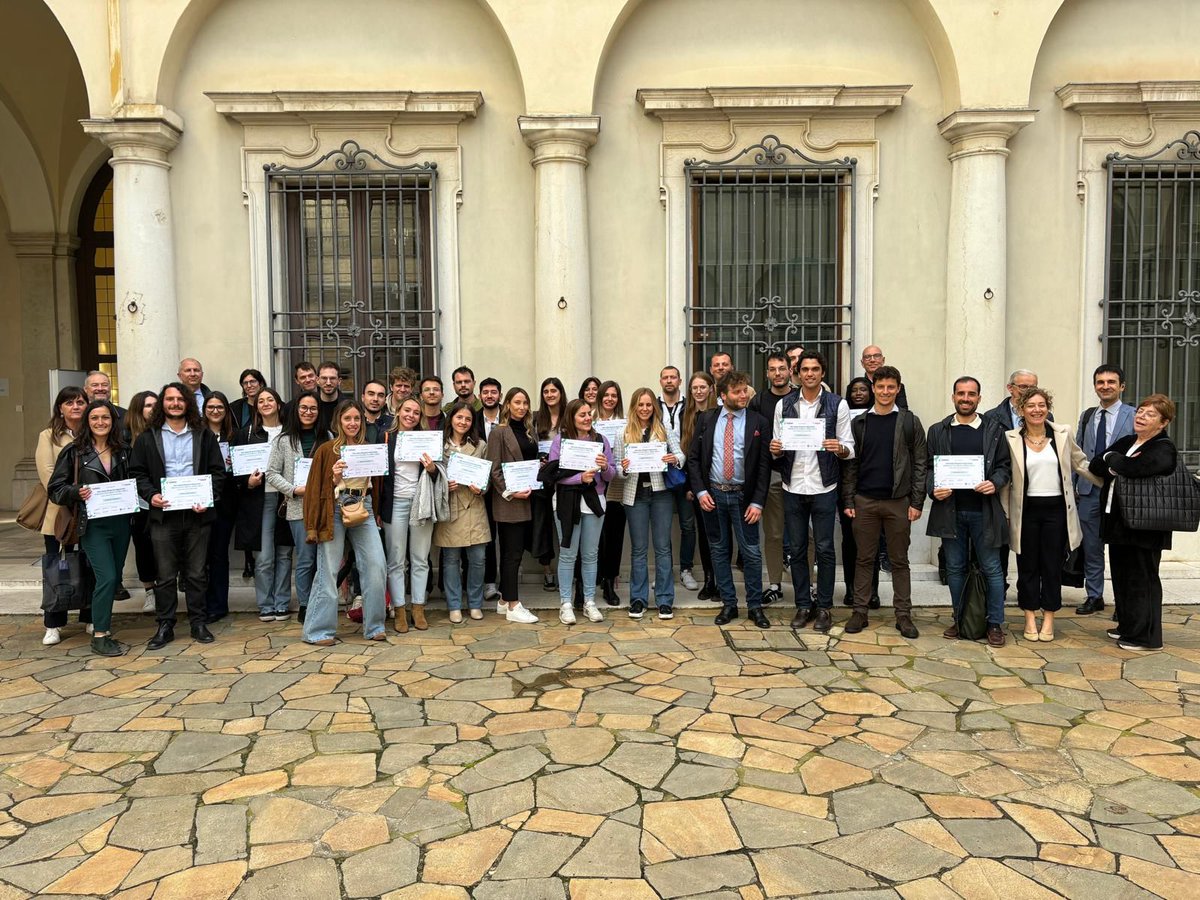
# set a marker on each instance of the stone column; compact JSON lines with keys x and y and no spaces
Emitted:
{"x":144,"y":245}
{"x":976,"y":258}
{"x":562,"y":269}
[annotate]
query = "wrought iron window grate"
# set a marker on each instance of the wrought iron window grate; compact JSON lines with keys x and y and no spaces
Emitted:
{"x":771,"y":244}
{"x":353,"y":237}
{"x":1152,"y":302}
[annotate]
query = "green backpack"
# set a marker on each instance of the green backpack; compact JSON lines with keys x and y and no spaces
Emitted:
{"x":972,"y":621}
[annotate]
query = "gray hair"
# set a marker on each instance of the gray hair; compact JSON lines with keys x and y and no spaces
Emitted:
{"x":1013,"y":377}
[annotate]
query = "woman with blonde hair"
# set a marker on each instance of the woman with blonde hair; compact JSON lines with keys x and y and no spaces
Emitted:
{"x":513,"y":440}
{"x":649,"y":506}
{"x":701,"y":397}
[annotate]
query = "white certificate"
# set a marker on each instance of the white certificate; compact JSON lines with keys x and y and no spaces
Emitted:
{"x":521,"y":476}
{"x":113,"y":498}
{"x":463,"y":468}
{"x":188,"y":491}
{"x":646,"y":457}
{"x":300,"y":477}
{"x":544,"y":447}
{"x":802,"y":434}
{"x":611,"y":429}
{"x":958,"y":472}
{"x":412,"y":445}
{"x":578,"y":455}
{"x":250,"y":458}
{"x":365,"y":460}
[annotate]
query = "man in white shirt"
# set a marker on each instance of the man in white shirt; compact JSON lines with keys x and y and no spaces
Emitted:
{"x":811,"y":479}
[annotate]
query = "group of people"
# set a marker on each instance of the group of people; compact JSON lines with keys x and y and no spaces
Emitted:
{"x":771,"y":469}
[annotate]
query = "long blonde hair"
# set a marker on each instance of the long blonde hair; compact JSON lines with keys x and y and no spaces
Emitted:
{"x":506,"y":411}
{"x":633,"y":428}
{"x":691,"y":409}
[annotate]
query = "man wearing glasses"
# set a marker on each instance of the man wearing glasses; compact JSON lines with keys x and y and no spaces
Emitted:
{"x":872,"y":359}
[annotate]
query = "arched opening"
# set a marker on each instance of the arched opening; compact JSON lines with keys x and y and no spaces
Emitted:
{"x":94,"y":278}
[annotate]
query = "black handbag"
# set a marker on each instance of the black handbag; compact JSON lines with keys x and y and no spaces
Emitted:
{"x":1072,"y":570}
{"x":67,"y":581}
{"x":1168,"y":502}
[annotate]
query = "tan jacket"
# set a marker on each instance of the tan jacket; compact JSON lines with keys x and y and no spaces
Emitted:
{"x":45,"y":457}
{"x":468,"y":524}
{"x":1070,"y":459}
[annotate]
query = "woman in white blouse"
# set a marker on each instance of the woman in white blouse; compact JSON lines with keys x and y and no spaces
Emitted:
{"x":1040,"y":503}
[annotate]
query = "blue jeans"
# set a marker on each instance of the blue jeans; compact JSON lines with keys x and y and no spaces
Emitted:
{"x":272,"y":565}
{"x":306,"y":561}
{"x":585,"y":544}
{"x":798,"y":511}
{"x":1088,"y":507}
{"x":407,"y":543}
{"x":723,"y":525}
{"x":687,"y":527}
{"x":321,"y":621}
{"x":646,"y":517}
{"x":452,"y":575}
{"x":969,"y":528}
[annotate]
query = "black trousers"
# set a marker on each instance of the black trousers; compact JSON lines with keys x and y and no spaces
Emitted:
{"x":702,"y":537}
{"x":514,"y":538}
{"x":612,"y":540}
{"x":181,"y":552}
{"x":1137,"y":592}
{"x":1043,"y":549}
{"x":489,"y":556}
{"x":143,"y":547}
{"x":216,"y":587}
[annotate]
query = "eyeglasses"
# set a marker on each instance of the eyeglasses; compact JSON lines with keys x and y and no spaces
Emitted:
{"x":872,"y":356}
{"x":307,"y":409}
{"x":250,"y":381}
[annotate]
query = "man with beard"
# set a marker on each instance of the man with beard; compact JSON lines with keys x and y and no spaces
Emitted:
{"x":329,"y":394}
{"x":379,"y":420}
{"x":175,"y":445}
{"x":764,"y":403}
{"x":971,"y":517}
{"x":463,"y":380}
{"x":432,"y":417}
{"x":490,"y":393}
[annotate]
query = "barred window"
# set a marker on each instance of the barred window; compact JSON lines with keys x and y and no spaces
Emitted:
{"x":355,"y":258}
{"x":772,"y":248}
{"x":1152,"y":305}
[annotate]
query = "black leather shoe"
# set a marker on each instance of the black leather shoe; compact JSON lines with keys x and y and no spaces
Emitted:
{"x":201,"y":634}
{"x":611,"y":597}
{"x":1089,"y":606}
{"x":873,"y":603}
{"x":857,"y":622}
{"x":162,"y":637}
{"x":905,"y":626}
{"x":848,"y":600}
{"x":120,"y":593}
{"x":759,"y":618}
{"x":726,"y":615}
{"x":709,"y":590}
{"x":824,"y":621}
{"x":301,"y":614}
{"x":803,"y":617}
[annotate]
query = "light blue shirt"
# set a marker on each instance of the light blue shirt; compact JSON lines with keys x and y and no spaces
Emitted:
{"x":177,"y":452}
{"x":717,"y":473}
{"x":1110,"y":423}
{"x":1014,"y":415}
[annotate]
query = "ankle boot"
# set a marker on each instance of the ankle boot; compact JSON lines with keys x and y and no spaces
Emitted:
{"x":578,"y":593}
{"x":401,"y":620}
{"x":610,"y":592}
{"x":418,"y":616}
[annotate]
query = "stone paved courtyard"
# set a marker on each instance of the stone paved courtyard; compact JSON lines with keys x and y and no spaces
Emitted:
{"x":618,"y":760}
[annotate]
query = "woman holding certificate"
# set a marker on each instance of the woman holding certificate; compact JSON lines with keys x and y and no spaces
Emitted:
{"x":1040,"y":503}
{"x":645,"y":449}
{"x":512,"y":447}
{"x":337,"y":507}
{"x":218,"y":420}
{"x":612,"y":535}
{"x":259,"y":527}
{"x":411,"y":478}
{"x":580,"y":466}
{"x":701,"y":397}
{"x":547,"y":423}
{"x":92,"y":476}
{"x":466,"y":532}
{"x":287,"y":472}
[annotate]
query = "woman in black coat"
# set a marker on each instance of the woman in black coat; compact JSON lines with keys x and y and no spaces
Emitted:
{"x":1134,"y":554}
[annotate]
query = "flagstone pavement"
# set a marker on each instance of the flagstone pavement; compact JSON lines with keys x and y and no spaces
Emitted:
{"x":620,"y":760}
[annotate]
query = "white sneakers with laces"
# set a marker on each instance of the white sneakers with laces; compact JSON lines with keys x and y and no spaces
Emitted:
{"x":566,"y":614}
{"x":53,"y":636}
{"x":686,"y":579}
{"x":592,"y":612}
{"x":520,"y":615}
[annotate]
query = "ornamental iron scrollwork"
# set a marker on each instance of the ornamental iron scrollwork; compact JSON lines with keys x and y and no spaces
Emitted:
{"x":356,"y":310}
{"x":1187,"y":149}
{"x":1189,"y":304}
{"x":350,"y":157}
{"x":773,"y":318}
{"x":770,"y":151}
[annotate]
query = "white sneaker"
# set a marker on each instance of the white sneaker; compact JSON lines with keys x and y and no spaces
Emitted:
{"x":501,"y":608}
{"x":686,"y":579}
{"x":90,"y":628}
{"x":52,"y":637}
{"x":148,"y":603}
{"x":593,"y":614}
{"x":566,"y":614}
{"x":490,"y":591}
{"x":520,"y":615}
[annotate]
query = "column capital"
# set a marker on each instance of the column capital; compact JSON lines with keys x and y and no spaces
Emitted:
{"x":142,"y":133}
{"x":31,"y":244}
{"x":983,"y":131}
{"x":562,"y":138}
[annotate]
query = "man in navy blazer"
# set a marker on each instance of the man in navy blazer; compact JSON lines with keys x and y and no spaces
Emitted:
{"x":729,"y":470}
{"x":1099,"y":428}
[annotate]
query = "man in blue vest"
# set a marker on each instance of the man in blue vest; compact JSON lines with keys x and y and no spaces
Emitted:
{"x":810,"y":487}
{"x":1099,"y":428}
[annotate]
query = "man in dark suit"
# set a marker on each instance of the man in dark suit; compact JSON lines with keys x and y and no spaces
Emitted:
{"x":729,"y":471}
{"x":1005,"y":412}
{"x":177,"y":444}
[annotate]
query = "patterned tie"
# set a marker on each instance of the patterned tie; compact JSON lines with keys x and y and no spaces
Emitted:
{"x":727,"y":471}
{"x":1102,"y":433}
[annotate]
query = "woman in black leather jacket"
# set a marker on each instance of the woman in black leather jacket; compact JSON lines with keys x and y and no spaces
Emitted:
{"x":99,"y":456}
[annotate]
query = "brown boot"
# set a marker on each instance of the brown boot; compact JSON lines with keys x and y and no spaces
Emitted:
{"x":401,"y":620}
{"x":418,"y":614}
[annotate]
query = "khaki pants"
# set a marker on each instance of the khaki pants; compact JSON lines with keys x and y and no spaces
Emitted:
{"x":870,"y":517}
{"x":772,"y":528}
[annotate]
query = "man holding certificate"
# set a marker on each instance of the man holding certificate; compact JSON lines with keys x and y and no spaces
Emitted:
{"x":174,"y":461}
{"x":971,"y":463}
{"x":812,"y":435}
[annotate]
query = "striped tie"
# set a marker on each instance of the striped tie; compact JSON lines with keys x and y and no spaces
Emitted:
{"x":727,"y":471}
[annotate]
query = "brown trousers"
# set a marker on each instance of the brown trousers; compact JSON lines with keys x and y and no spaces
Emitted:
{"x":870,"y":516}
